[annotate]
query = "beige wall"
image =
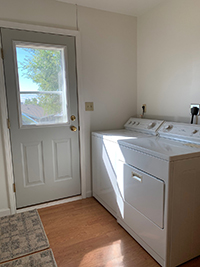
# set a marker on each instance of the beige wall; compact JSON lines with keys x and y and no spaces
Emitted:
{"x":108,"y":49}
{"x":169,"y":59}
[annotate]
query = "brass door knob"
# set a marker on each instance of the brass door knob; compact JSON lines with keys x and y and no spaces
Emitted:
{"x":73,"y":118}
{"x":73,"y":128}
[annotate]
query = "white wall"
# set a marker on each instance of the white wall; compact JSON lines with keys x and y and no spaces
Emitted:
{"x":39,"y":12}
{"x":169,"y":59}
{"x":109,"y":70}
{"x":109,"y":66}
{"x":108,"y":47}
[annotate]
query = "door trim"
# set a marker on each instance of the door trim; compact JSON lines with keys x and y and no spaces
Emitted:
{"x":4,"y":110}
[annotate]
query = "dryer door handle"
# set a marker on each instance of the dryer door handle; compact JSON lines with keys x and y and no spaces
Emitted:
{"x":136,"y":176}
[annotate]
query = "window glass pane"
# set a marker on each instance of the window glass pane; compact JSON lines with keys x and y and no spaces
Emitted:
{"x":34,"y":109}
{"x":42,"y":85}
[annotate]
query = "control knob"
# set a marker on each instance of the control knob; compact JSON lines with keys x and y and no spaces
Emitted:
{"x":168,"y":127}
{"x":151,"y":125}
{"x":195,"y":131}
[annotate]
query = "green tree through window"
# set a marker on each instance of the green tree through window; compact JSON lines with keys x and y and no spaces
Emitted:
{"x":44,"y":67}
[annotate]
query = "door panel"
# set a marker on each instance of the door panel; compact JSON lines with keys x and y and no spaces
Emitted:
{"x":45,"y":151}
{"x":62,"y":154}
{"x":33,"y":163}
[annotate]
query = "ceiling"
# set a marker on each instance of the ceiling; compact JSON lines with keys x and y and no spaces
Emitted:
{"x":127,"y":7}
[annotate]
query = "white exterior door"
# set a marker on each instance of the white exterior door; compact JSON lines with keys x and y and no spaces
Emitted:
{"x":40,"y":76}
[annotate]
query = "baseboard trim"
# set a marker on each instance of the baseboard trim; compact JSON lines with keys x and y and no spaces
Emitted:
{"x":88,"y":194}
{"x":53,"y":203}
{"x":4,"y":212}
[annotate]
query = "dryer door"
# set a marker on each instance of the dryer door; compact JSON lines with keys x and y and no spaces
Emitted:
{"x":144,"y":193}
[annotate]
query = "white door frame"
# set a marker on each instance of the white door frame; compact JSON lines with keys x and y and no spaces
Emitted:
{"x":4,"y":111}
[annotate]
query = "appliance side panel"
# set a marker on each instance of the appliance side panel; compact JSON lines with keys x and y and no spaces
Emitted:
{"x":103,"y":173}
{"x":169,"y":214}
{"x":95,"y":167}
{"x":185,"y":211}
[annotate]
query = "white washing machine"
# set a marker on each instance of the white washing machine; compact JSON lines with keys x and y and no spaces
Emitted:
{"x":159,"y":192}
{"x":105,"y":150}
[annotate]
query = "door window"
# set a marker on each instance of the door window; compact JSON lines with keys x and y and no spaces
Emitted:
{"x":41,"y":75}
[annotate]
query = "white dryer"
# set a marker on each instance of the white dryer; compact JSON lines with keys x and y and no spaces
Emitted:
{"x":105,"y":150}
{"x":159,"y":191}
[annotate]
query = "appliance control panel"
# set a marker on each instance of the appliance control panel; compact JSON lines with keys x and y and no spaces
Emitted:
{"x":143,"y":125}
{"x":180,"y":131}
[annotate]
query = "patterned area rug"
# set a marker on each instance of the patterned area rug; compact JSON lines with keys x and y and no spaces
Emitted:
{"x":40,"y":259}
{"x":21,"y":234}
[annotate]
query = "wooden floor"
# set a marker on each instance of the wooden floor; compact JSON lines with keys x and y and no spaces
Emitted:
{"x":84,"y":234}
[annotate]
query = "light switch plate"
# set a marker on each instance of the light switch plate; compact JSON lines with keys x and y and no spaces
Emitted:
{"x":89,"y":106}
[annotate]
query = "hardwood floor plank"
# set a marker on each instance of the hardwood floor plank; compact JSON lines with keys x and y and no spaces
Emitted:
{"x":84,"y":234}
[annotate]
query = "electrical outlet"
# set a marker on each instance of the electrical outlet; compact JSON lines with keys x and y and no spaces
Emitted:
{"x":145,"y":108}
{"x":89,"y":106}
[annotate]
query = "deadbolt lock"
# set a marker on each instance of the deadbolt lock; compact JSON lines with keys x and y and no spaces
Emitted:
{"x":73,"y":118}
{"x":73,"y":128}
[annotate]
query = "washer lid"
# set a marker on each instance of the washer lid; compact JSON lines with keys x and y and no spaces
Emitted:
{"x":163,"y":148}
{"x":115,"y":135}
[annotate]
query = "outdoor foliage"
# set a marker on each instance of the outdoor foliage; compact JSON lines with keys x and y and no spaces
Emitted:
{"x":43,"y":67}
